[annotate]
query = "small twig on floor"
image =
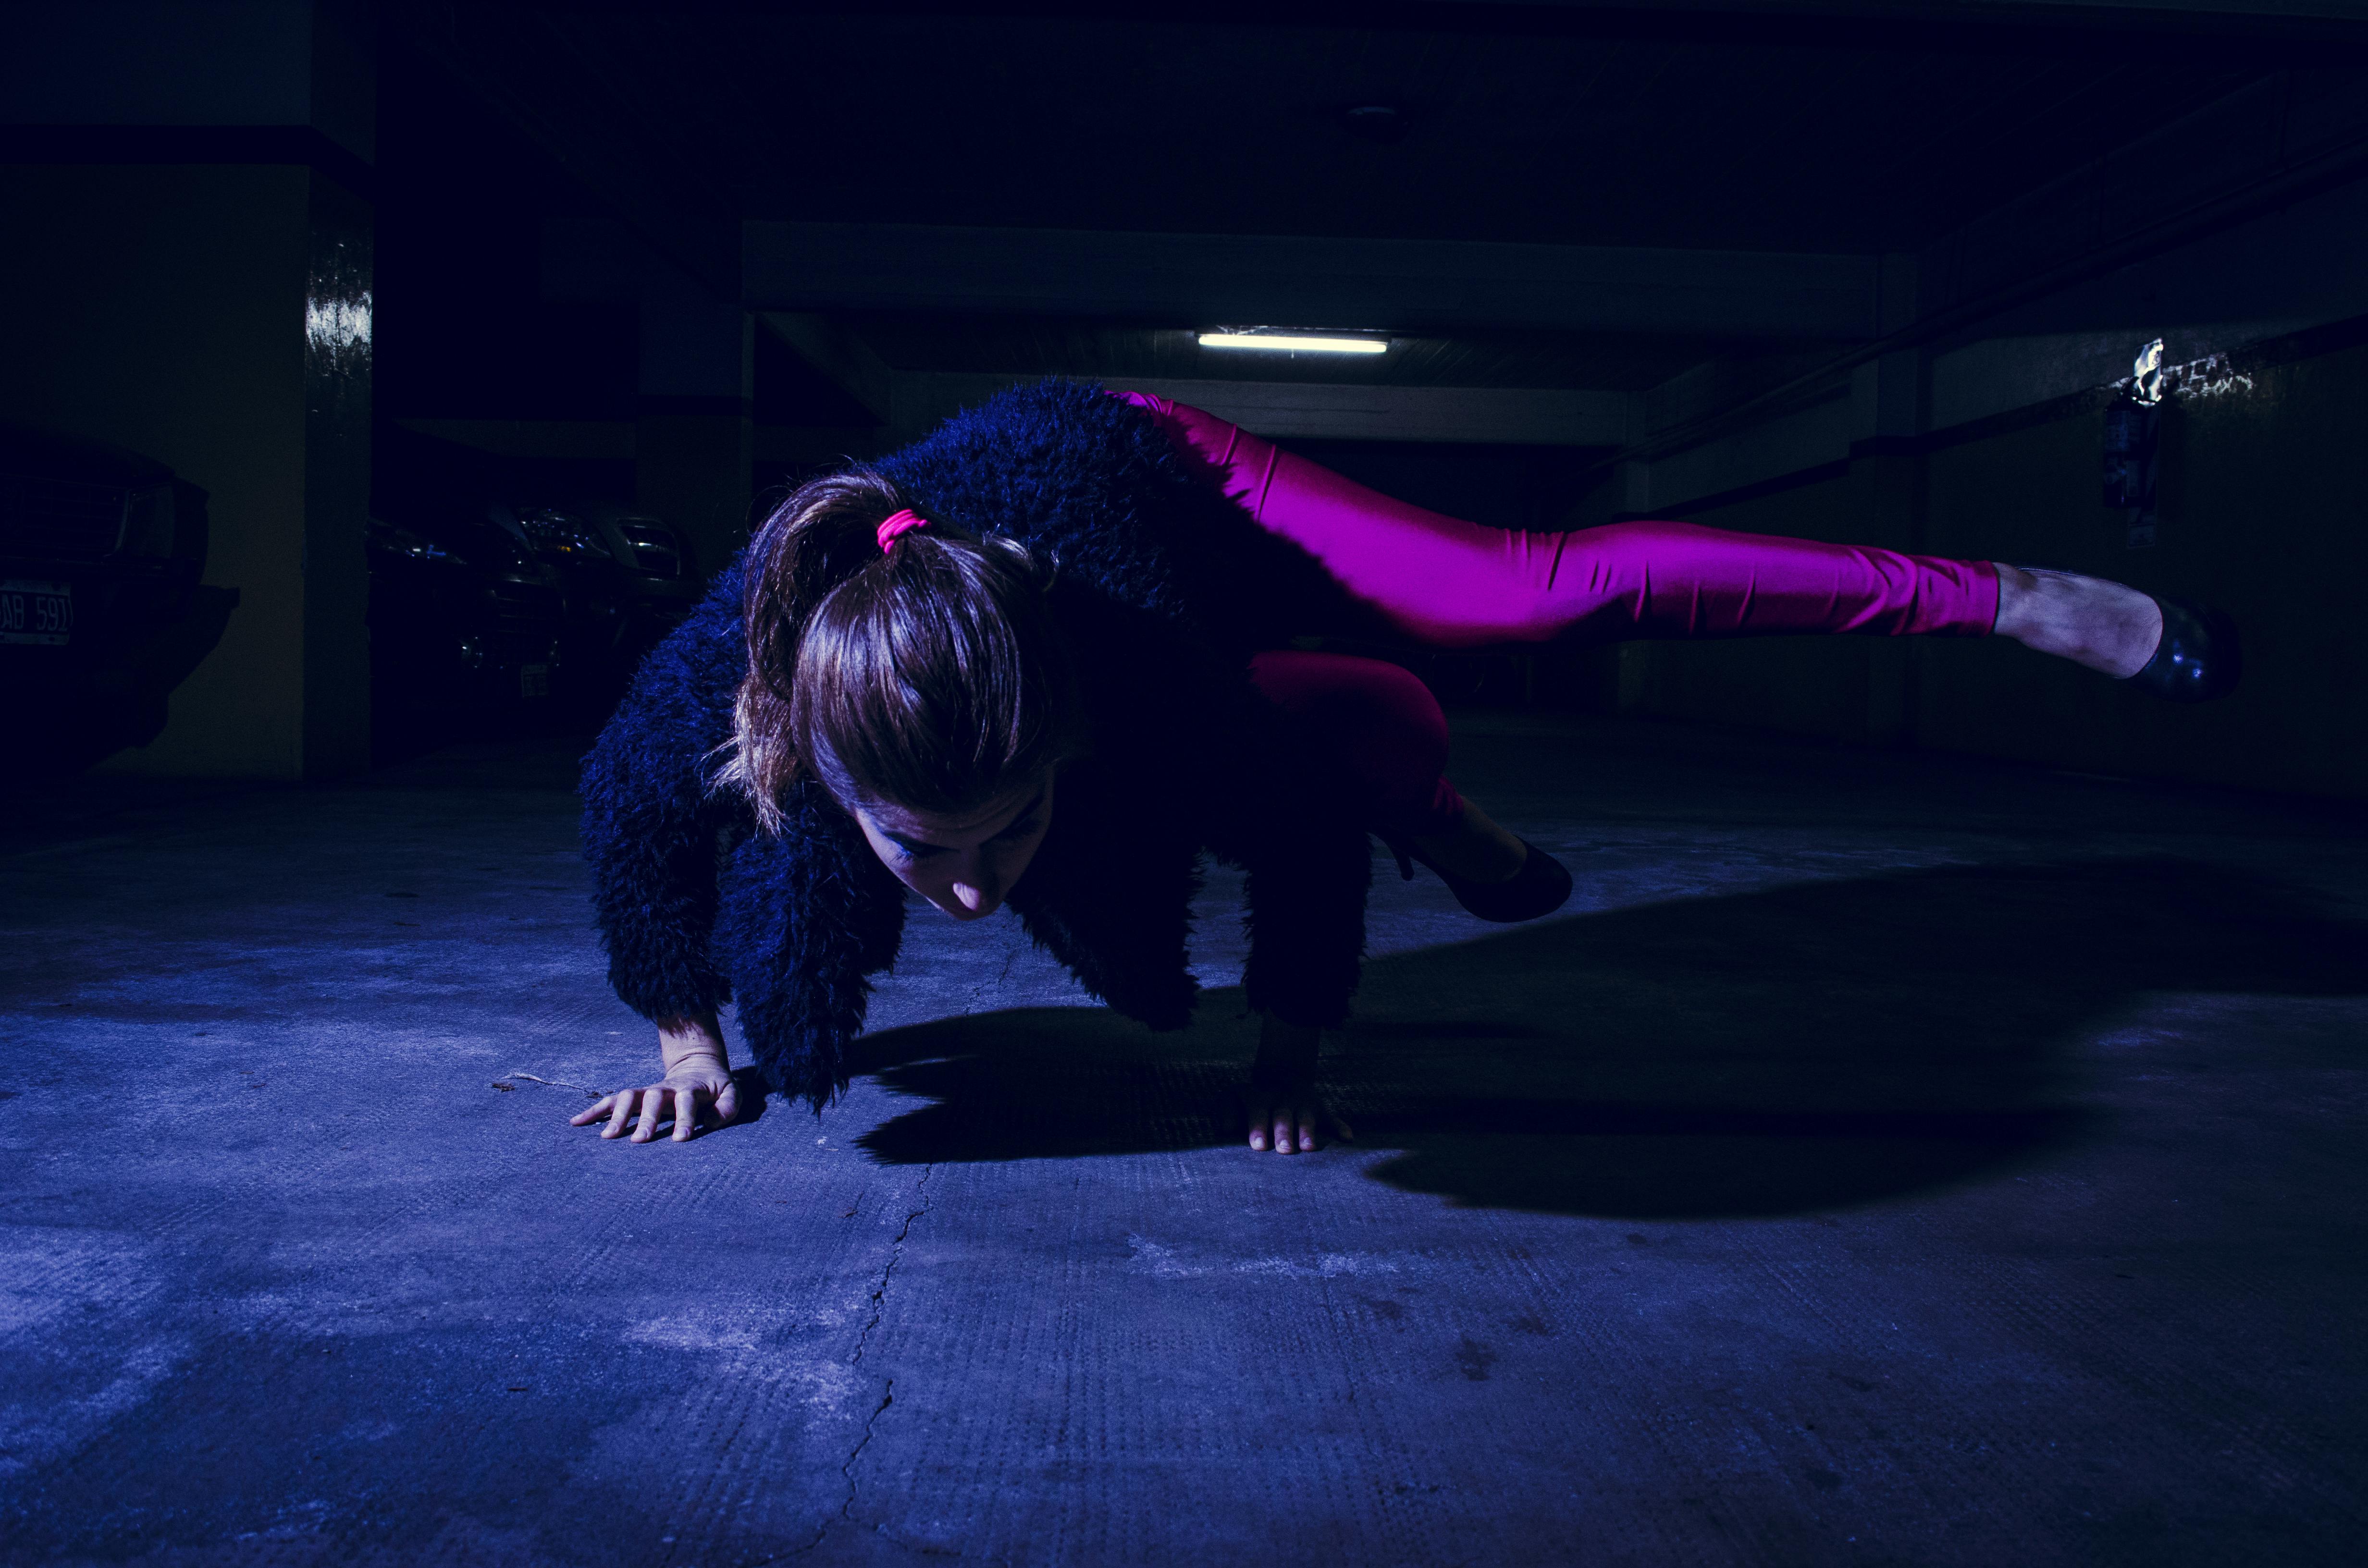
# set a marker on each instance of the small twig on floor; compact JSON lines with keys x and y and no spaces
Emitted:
{"x":556,"y":1084}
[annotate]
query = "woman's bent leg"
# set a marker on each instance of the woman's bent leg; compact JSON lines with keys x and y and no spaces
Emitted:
{"x":1386,"y":729}
{"x":1456,"y":583}
{"x":1380,"y":722}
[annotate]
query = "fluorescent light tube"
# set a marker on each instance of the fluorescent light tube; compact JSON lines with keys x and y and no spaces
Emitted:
{"x":1279,"y":343}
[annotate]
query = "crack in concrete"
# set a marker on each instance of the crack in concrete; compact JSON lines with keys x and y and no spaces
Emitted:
{"x":895,"y":1255}
{"x":847,"y":1471}
{"x":863,"y":1342}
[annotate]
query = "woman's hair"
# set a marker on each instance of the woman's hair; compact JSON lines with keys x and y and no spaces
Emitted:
{"x":928,"y":675}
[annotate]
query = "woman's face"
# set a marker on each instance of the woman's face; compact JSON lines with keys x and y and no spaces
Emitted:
{"x":963,"y":864}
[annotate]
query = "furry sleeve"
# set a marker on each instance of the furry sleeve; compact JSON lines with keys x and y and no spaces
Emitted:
{"x":806,"y":916}
{"x":1309,"y":867}
{"x":651,"y":823}
{"x":1306,"y":922}
{"x":1110,"y":896}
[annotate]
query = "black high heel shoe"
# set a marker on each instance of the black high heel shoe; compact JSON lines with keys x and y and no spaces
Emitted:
{"x":2198,"y":657}
{"x":1539,"y":888}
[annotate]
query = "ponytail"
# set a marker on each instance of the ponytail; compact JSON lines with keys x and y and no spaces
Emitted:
{"x":926,"y":672}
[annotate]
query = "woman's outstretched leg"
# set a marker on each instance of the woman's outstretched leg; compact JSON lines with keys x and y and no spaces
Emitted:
{"x":2104,"y":625}
{"x":1453,"y":583}
{"x":1450,"y":583}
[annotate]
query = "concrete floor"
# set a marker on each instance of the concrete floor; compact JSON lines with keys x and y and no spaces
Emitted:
{"x":1884,"y":1160}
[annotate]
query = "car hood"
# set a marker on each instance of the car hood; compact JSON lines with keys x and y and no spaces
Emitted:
{"x":37,"y":453}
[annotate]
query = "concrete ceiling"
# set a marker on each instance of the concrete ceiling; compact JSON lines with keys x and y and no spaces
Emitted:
{"x":1596,"y":197}
{"x":1154,"y":126}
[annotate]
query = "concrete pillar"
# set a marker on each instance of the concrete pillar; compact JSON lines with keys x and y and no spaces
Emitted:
{"x":188,"y":274}
{"x":693,"y":437}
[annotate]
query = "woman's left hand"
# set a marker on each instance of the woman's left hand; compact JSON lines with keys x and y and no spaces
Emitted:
{"x":1291,"y":1121}
{"x":1284,"y":1111}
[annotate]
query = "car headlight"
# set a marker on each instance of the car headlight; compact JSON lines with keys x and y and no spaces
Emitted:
{"x":559,"y":534}
{"x":655,"y":551}
{"x":403,"y":541}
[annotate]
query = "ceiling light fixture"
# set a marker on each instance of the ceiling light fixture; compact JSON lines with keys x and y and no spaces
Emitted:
{"x":1279,"y":343}
{"x":1382,"y":123}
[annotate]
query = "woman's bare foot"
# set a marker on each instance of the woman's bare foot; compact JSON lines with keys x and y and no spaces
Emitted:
{"x":2104,"y":625}
{"x":1476,"y":848}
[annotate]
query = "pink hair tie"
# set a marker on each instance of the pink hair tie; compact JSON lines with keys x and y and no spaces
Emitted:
{"x":898,"y":526}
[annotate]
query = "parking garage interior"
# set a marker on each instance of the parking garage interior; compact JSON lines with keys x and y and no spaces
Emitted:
{"x":1929,"y":1134}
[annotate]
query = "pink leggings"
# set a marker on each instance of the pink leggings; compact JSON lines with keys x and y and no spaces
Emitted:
{"x":1457,"y":584}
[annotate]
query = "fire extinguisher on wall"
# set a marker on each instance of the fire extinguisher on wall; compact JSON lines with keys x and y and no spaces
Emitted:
{"x":2133,"y":447}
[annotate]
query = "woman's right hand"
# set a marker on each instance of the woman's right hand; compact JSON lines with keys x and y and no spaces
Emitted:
{"x":693,"y":1084}
{"x":699,"y":1076}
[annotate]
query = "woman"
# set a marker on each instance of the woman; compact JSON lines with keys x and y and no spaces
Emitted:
{"x":1040,"y":658}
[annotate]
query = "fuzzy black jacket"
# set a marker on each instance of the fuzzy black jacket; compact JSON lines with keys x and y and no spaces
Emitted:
{"x":1165,"y":588}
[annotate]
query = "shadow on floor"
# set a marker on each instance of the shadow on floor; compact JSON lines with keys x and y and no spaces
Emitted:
{"x":1766,"y":1053}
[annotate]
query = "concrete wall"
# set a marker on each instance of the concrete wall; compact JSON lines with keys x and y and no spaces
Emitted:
{"x":216,"y":317}
{"x":2262,"y":513}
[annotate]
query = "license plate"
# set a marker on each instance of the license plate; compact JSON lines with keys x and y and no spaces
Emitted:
{"x":534,"y":680}
{"x":35,"y":611}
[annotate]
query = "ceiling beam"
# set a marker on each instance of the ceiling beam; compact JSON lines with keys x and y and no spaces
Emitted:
{"x":2268,"y":144}
{"x":1285,"y":410}
{"x":1883,"y":20}
{"x":2287,"y":31}
{"x":520,"y":66}
{"x":833,"y":348}
{"x":1390,"y":285}
{"x":2265,"y":148}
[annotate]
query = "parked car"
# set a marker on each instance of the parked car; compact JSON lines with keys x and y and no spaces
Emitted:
{"x":627,"y":579}
{"x":462,"y":614}
{"x":479,"y":605}
{"x":662,"y":575}
{"x":592,"y":597}
{"x":101,"y":613}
